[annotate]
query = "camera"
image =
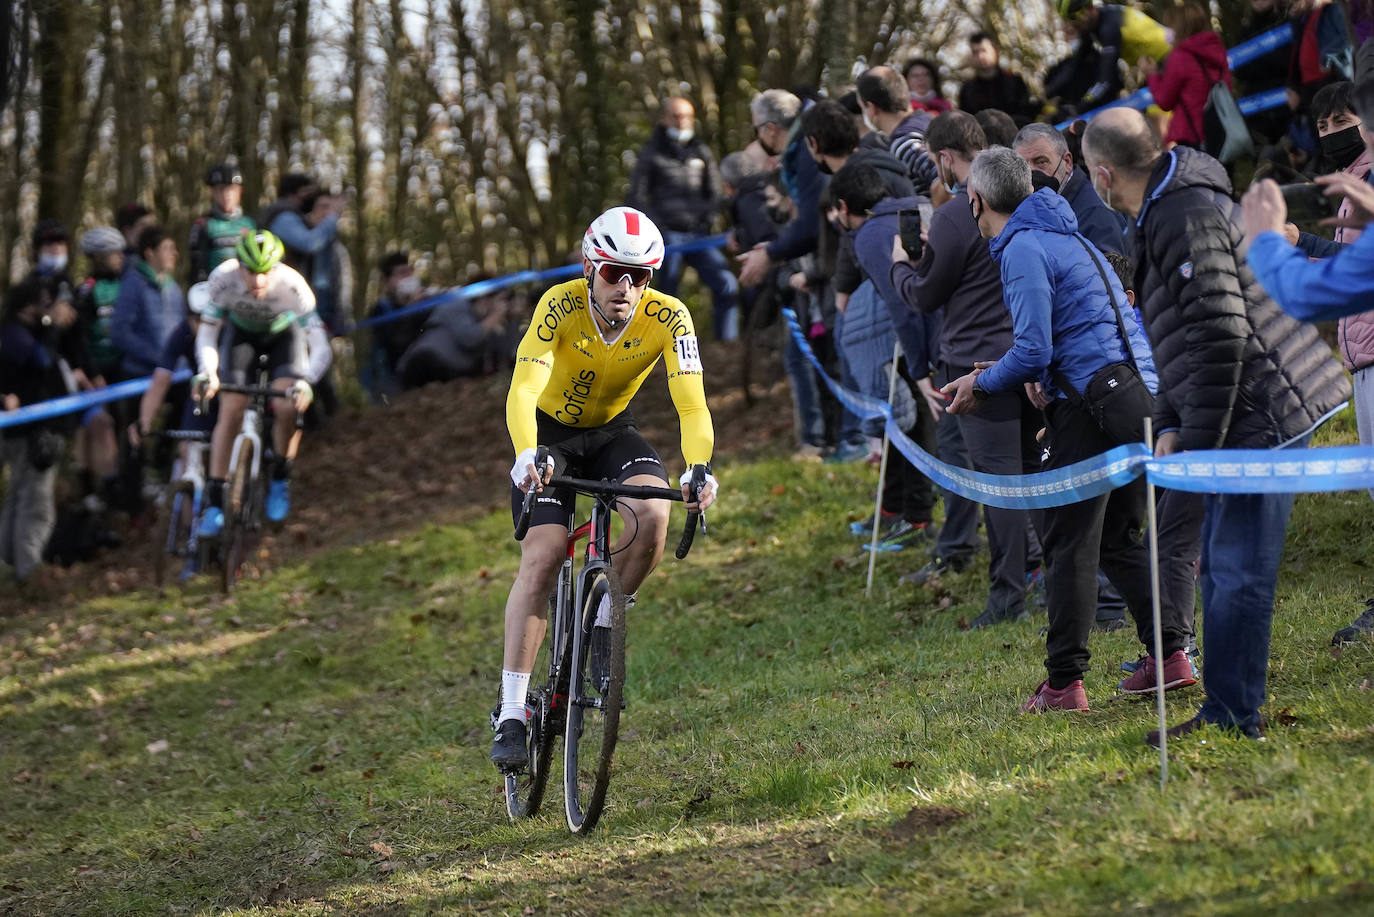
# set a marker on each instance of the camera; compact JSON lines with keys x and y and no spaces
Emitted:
{"x":1308,"y":202}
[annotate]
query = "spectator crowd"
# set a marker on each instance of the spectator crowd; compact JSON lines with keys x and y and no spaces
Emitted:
{"x":1023,"y":296}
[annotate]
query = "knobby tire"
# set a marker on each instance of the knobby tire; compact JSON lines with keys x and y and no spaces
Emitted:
{"x":238,"y":506}
{"x":178,"y":532}
{"x":590,"y":737}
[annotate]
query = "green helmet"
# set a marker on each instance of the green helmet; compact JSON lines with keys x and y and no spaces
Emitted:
{"x":259,"y":252}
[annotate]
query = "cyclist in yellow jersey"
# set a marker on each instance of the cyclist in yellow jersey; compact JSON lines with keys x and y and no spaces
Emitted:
{"x":589,"y":347}
{"x":1122,"y":33}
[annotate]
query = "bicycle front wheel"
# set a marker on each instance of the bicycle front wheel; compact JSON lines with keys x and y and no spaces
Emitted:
{"x":238,"y":505}
{"x":177,"y":538}
{"x":596,"y":685}
{"x":525,"y":791}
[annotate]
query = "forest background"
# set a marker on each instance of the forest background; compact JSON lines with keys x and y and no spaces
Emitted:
{"x":478,"y":135}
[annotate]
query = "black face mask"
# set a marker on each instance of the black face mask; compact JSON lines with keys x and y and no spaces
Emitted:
{"x":778,"y":215}
{"x":824,"y":167}
{"x":1340,"y":149}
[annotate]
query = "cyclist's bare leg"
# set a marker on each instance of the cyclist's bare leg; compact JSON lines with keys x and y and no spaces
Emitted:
{"x":541,"y":554}
{"x":646,"y":529}
{"x":286,"y":439}
{"x":231,"y":407}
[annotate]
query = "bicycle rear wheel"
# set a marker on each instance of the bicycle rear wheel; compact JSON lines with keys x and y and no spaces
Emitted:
{"x":596,"y":683}
{"x":238,"y":507}
{"x":177,"y":507}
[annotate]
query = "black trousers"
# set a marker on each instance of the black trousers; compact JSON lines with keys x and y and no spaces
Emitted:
{"x":1000,"y":439}
{"x":1178,"y":514}
{"x":1077,"y":538}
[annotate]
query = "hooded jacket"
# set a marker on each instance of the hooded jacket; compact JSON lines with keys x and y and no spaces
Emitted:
{"x":1235,"y":371}
{"x":847,"y":275}
{"x":1063,"y":316}
{"x":676,"y":184}
{"x":1195,"y":64}
{"x":918,"y":333}
{"x":145,"y":312}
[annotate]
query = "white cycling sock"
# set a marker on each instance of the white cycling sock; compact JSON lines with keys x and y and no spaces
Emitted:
{"x":603,"y":611}
{"x":514,"y":686}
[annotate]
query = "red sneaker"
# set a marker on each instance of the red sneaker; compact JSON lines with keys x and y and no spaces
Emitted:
{"x":1047,"y":698}
{"x":1178,"y":673}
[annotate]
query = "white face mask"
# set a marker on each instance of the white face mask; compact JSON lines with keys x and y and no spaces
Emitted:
{"x":868,"y":122}
{"x":951,"y":187}
{"x":681,"y":134}
{"x":1106,"y":194}
{"x":51,"y":263}
{"x":408,"y":286}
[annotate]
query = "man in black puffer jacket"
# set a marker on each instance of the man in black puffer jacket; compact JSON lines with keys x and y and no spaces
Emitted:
{"x":1235,"y":372}
{"x":676,"y":183}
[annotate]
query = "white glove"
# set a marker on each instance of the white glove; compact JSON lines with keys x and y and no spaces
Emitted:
{"x":708,"y":490}
{"x":302,"y":394}
{"x":520,"y":471}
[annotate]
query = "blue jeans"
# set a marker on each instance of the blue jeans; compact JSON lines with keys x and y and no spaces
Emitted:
{"x":1242,"y":544}
{"x":806,"y":395}
{"x":714,"y":272}
{"x":851,"y":428}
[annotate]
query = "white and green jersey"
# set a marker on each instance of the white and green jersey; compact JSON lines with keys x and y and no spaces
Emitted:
{"x":288,"y":300}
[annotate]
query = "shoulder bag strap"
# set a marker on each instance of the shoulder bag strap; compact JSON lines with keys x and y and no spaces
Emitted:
{"x":1111,"y":297}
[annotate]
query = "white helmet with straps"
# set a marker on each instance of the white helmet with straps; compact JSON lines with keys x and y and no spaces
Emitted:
{"x":623,"y":235}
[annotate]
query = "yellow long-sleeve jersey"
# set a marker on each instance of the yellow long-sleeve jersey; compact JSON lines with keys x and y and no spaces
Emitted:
{"x":566,"y":369}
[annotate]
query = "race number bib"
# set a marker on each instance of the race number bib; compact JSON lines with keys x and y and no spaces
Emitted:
{"x":688,"y":353}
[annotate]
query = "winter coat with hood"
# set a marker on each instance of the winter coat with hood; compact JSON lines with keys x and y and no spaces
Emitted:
{"x":676,"y":184}
{"x":1196,"y":63}
{"x":918,"y":333}
{"x":847,"y":274}
{"x":146,"y":310}
{"x":1235,"y":371}
{"x":1064,"y":318}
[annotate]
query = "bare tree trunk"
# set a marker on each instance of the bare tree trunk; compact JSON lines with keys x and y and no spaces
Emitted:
{"x":357,"y":81}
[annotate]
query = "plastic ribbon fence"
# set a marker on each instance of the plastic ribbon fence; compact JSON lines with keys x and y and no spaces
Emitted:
{"x":1237,"y":471}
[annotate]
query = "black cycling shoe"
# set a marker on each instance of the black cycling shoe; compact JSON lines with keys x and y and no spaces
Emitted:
{"x":510,"y":752}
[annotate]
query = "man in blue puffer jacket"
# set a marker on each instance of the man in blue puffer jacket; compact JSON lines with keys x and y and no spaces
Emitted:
{"x":1068,"y":316}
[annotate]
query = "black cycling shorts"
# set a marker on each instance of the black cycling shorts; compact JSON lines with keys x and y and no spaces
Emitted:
{"x":239,"y":351}
{"x":614,"y":451}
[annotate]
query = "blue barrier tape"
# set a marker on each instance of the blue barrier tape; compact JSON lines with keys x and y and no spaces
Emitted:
{"x":1240,"y":55}
{"x":1081,"y":481}
{"x":70,"y":404}
{"x":484,"y":287}
{"x":1254,"y":48}
{"x":131,"y":388}
{"x":1236,"y":471}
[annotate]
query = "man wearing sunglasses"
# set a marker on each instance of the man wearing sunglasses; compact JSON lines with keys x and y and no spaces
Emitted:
{"x":590,"y":345}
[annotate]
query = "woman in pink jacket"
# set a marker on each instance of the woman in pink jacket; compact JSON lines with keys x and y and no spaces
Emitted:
{"x":1197,"y":62}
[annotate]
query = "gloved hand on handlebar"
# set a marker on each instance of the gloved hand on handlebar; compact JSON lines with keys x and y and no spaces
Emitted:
{"x":523,"y":472}
{"x":708,"y":490}
{"x":301,"y":394}
{"x":207,"y":384}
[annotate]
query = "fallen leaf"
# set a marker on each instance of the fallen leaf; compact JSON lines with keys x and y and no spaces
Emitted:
{"x":196,"y":835}
{"x":313,"y":857}
{"x":388,"y":866}
{"x":158,"y":747}
{"x":382,"y":850}
{"x":904,"y":765}
{"x":779,"y":490}
{"x":963,"y":622}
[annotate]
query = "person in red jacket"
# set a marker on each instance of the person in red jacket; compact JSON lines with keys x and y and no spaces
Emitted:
{"x":1197,"y":62}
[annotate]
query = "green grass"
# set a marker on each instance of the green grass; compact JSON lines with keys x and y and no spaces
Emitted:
{"x":789,"y":745}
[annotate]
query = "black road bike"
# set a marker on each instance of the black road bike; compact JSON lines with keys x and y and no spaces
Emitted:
{"x":584,"y":694}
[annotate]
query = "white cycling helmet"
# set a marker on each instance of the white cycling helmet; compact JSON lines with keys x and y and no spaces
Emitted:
{"x":103,"y":240}
{"x":198,"y":298}
{"x":623,"y":235}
